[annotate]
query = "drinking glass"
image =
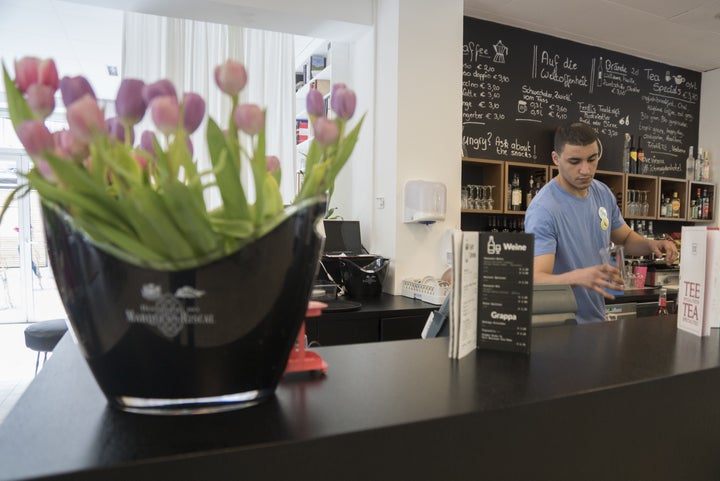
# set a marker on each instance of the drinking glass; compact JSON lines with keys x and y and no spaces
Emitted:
{"x":645,"y":204}
{"x":464,"y":197}
{"x":491,"y":200}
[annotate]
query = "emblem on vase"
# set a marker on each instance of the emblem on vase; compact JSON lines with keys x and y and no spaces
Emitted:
{"x":169,"y":312}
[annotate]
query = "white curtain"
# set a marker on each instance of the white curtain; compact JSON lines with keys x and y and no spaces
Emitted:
{"x":270,"y":60}
{"x":187,"y":51}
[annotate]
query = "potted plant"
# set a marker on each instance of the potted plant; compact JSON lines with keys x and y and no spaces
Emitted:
{"x":176,"y":307}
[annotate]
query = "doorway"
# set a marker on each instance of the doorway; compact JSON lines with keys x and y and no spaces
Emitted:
{"x":27,"y":287}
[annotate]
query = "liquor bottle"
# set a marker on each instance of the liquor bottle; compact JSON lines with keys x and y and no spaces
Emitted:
{"x":706,"y":167}
{"x":662,"y":303}
{"x":675,"y":205}
{"x":693,"y":209}
{"x":626,"y":154}
{"x":690,"y":165}
{"x":650,"y":233}
{"x":640,"y":153}
{"x":698,"y":203}
{"x":667,"y":208}
{"x":699,"y":165}
{"x":705,"y":205}
{"x":600,"y":73}
{"x":516,"y":196}
{"x":633,"y":157}
{"x":530,"y":193}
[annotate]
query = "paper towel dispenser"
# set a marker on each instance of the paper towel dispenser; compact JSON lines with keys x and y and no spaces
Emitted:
{"x":425,"y":202}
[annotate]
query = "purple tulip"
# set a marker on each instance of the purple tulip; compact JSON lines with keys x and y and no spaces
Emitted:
{"x":272,"y":164}
{"x":326,"y":131}
{"x":231,"y":77}
{"x":48,"y":74}
{"x":116,"y":129}
{"x":249,"y":118}
{"x":41,"y":100}
{"x":36,"y":138}
{"x":26,"y":72}
{"x":343,"y":101}
{"x":193,"y":111}
{"x":74,"y":88}
{"x":130,"y":105}
{"x":85,"y":117}
{"x":315,"y":103}
{"x":158,"y":89}
{"x":147,"y":141}
{"x":165,"y":113}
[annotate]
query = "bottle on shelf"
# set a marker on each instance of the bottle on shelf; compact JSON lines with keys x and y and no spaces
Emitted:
{"x":705,"y":205}
{"x":530,"y":193}
{"x":690,"y":165}
{"x":516,"y":197}
{"x":698,"y":204}
{"x":666,"y":209}
{"x":699,"y":165}
{"x":675,"y":205}
{"x":662,"y":303}
{"x":633,"y":157}
{"x":640,"y":153}
{"x":693,"y":209}
{"x":626,"y":154}
{"x":600,"y":73}
{"x":650,"y":234}
{"x":706,"y":167}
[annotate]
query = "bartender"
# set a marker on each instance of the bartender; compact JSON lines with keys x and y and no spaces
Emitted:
{"x":574,"y":217}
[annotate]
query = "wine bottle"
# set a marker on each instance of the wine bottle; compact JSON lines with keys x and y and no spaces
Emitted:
{"x":699,"y":165}
{"x":516,"y":194}
{"x":633,"y":157}
{"x":706,"y":167}
{"x":530,"y":193}
{"x":662,"y":303}
{"x":705,"y":205}
{"x":690,"y":165}
{"x":600,"y":73}
{"x":640,"y":153}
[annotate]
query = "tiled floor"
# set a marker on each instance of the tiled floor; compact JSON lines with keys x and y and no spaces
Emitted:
{"x":17,"y":366}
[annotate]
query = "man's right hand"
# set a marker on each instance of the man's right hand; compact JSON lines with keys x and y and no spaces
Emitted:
{"x":599,"y":278}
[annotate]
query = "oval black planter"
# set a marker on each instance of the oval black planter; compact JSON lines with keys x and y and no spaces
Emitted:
{"x":199,"y":340}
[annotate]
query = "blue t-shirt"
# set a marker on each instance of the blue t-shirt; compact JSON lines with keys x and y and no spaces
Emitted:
{"x":570,"y":227}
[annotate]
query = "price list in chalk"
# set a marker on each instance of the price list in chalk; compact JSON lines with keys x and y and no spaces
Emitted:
{"x":505,"y":291}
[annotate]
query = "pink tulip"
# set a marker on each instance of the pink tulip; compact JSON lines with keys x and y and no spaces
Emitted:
{"x":158,"y":89}
{"x":272,"y":164}
{"x":48,"y":74}
{"x":130,"y":105}
{"x":45,"y":170}
{"x":165,"y":113}
{"x":70,"y":146}
{"x":193,"y":111}
{"x":343,"y":101}
{"x":85,"y":118}
{"x":326,"y":131}
{"x":141,"y":160}
{"x":231,"y":77}
{"x":26,"y":72}
{"x":74,"y":88}
{"x":41,"y":100}
{"x":36,"y":138}
{"x":315,"y":103}
{"x":249,"y":118}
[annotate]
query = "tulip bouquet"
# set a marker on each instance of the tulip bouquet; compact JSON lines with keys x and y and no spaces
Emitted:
{"x":144,"y":202}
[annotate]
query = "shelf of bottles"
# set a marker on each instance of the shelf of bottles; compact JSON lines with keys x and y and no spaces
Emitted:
{"x":616,"y":182}
{"x":522,"y":183}
{"x":482,"y":186}
{"x":701,"y":200}
{"x":673,"y":199}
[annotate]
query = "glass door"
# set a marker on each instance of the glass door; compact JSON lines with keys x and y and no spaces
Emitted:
{"x":27,"y":286}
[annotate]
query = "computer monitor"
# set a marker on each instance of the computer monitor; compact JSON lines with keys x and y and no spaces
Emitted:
{"x":342,"y":237}
{"x":553,"y":305}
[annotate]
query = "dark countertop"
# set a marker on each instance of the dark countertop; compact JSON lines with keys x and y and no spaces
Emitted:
{"x":634,"y":399}
{"x":384,"y":304}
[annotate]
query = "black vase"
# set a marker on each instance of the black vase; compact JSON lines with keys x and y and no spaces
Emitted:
{"x":205,"y":339}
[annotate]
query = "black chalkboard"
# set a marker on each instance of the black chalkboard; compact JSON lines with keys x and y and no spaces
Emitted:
{"x":518,"y":86}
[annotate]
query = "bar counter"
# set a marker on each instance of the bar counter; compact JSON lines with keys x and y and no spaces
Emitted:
{"x":627,"y":400}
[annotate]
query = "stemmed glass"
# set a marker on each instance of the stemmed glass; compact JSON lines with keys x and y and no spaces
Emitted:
{"x":491,"y":200}
{"x":644,"y":203}
{"x":464,"y":197}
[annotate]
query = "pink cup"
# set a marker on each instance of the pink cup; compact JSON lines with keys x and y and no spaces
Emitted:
{"x":640,"y":274}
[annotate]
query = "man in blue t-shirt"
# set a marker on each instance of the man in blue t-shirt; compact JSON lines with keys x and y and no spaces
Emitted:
{"x":573,"y":217}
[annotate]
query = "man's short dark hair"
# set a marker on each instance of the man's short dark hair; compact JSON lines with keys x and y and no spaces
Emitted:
{"x":576,"y":133}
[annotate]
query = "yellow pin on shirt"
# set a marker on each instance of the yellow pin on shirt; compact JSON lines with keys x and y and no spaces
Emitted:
{"x":604,"y":223}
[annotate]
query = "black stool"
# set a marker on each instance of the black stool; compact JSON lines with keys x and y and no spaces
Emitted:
{"x":43,"y":336}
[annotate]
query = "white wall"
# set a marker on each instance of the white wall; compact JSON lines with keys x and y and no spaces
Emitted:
{"x":418,"y":128}
{"x":709,"y":135}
